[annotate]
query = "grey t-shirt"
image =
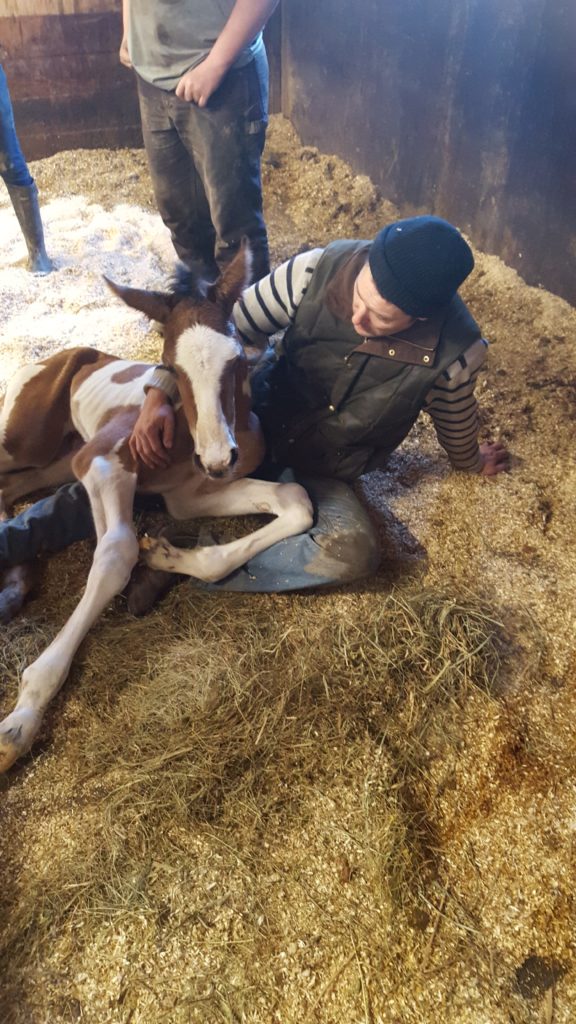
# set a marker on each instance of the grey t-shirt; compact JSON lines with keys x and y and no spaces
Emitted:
{"x":168,"y":37}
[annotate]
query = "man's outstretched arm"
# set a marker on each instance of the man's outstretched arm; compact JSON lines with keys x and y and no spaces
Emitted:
{"x":454,"y":410}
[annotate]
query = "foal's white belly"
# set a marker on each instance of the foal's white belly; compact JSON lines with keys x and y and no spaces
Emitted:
{"x":100,"y":393}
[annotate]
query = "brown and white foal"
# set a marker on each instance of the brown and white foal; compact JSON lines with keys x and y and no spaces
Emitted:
{"x":72,"y":415}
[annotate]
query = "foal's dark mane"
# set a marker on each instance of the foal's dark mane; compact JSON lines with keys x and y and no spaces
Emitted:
{"x":188,"y":284}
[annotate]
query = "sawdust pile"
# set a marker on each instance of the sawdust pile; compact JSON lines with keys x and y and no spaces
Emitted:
{"x":332,"y":807}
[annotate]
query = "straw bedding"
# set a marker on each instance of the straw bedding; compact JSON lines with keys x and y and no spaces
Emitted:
{"x":349,"y":806}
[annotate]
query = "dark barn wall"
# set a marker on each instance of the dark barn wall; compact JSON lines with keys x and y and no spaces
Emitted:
{"x":67,"y":85}
{"x":463,"y":109}
{"x":68,"y":88}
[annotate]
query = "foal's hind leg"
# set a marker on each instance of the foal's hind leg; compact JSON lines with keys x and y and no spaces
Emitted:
{"x":288,"y":502}
{"x":19,"y":483}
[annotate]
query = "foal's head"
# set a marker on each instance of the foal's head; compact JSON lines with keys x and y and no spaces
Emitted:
{"x":201,"y":347}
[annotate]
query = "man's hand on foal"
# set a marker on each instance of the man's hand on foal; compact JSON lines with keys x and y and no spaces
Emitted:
{"x":153,"y":433}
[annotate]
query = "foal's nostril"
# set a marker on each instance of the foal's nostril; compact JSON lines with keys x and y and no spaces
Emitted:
{"x":217,"y":468}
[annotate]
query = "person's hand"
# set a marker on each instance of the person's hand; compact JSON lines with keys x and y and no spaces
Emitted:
{"x":494,"y":458}
{"x":198,"y":84}
{"x":123,"y":53}
{"x":153,"y":433}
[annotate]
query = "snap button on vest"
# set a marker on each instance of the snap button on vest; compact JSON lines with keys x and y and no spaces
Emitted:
{"x":391,"y":351}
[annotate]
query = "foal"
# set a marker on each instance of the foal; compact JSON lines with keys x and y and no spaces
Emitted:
{"x":72,"y":415}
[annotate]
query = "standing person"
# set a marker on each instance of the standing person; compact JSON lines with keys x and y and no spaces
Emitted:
{"x":374,"y":333}
{"x":202,"y":77}
{"x":21,"y":185}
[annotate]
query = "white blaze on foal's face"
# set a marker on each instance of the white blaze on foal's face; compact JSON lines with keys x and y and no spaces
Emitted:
{"x":206,"y":359}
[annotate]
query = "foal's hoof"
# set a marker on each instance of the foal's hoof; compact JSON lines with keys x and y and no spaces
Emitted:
{"x":9,"y":753}
{"x":17,"y":732}
{"x":169,"y":553}
{"x":158,"y":553}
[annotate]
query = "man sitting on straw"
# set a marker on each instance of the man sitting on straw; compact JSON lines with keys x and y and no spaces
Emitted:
{"x":373,"y":333}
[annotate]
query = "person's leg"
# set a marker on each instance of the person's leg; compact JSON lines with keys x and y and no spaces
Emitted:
{"x":13,"y":166}
{"x":226,"y":139}
{"x":51,"y":524}
{"x":178,"y":190}
{"x":21,"y":185}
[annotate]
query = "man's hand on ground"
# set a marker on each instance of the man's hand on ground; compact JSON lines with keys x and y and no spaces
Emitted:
{"x":153,"y":433}
{"x":495,"y":458}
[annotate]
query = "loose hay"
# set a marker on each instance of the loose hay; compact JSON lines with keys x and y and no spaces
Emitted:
{"x":333,"y":807}
{"x":222,"y":740}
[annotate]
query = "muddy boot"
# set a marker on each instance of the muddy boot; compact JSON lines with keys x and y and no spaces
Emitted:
{"x":15,"y":585}
{"x":25,"y":202}
{"x":147,"y":586}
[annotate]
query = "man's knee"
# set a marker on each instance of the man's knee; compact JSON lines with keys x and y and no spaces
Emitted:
{"x":348,"y":553}
{"x":51,"y":524}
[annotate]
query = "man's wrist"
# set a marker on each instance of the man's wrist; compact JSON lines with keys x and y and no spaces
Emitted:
{"x":163,"y":379}
{"x":218,"y":65}
{"x":156,"y":396}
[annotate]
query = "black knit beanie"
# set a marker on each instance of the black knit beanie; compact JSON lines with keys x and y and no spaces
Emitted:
{"x":419,"y":263}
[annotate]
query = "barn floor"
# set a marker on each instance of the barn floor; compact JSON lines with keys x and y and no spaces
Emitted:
{"x":348,"y":807}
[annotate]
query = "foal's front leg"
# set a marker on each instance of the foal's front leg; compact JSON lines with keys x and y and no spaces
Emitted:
{"x":288,"y":502}
{"x":111,"y":489}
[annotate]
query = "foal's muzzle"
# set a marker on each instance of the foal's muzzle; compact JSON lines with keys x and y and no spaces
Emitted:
{"x":220,"y":469}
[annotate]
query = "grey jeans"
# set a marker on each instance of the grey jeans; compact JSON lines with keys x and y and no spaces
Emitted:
{"x":339,"y":547}
{"x":205,"y":167}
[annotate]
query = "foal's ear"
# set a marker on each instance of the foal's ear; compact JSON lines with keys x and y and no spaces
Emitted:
{"x":155,"y":305}
{"x":234,"y":279}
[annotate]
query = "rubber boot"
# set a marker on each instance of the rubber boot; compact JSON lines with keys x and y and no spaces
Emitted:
{"x":15,"y":585}
{"x":148,"y":586}
{"x":25,"y":202}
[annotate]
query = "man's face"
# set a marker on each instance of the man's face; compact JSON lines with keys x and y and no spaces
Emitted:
{"x":372,"y":315}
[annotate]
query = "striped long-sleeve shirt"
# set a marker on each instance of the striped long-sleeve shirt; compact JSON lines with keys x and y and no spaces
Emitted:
{"x":271,"y":305}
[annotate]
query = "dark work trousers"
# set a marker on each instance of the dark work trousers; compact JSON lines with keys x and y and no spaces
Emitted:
{"x":339,"y":547}
{"x":13,"y":166}
{"x":205,"y":167}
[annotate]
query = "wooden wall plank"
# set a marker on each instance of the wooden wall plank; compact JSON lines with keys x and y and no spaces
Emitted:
{"x":27,"y":39}
{"x":466,"y":110}
{"x":66,"y":82}
{"x":67,"y":85}
{"x":32,"y":8}
{"x":273,"y":41}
